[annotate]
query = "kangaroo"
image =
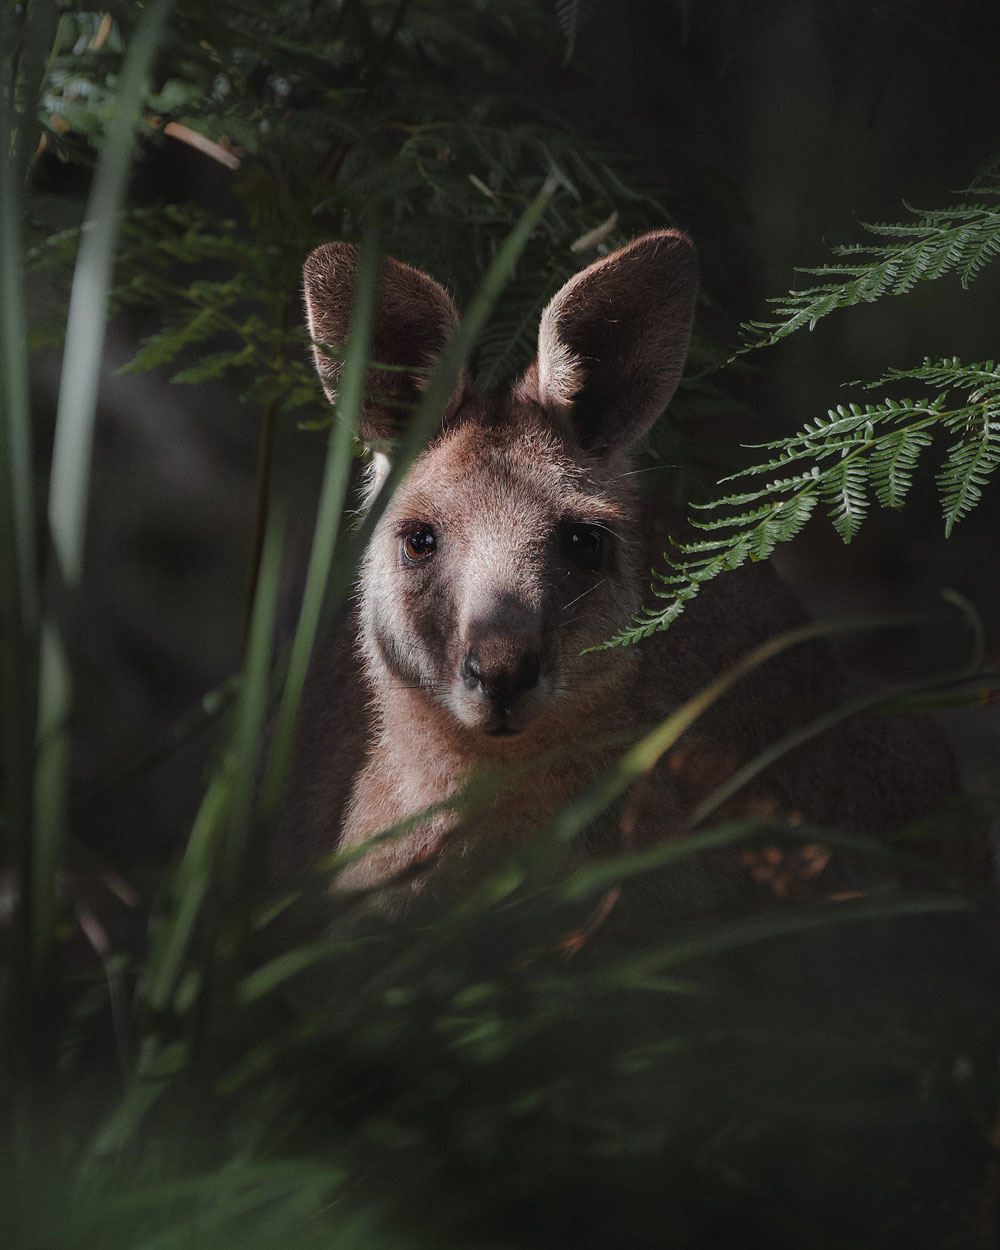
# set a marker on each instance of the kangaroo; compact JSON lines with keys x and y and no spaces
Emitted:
{"x":519,"y":539}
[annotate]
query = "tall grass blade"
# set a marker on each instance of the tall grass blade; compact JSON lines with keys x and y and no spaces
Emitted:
{"x":888,"y":696}
{"x":762,"y":926}
{"x":215,"y":852}
{"x":25,"y":39}
{"x":446,"y":373}
{"x":18,"y":592}
{"x":575,"y":816}
{"x":221,"y":864}
{"x":328,"y":519}
{"x":344,"y":555}
{"x":601,"y":874}
{"x":244,"y":862}
{"x":70,"y":475}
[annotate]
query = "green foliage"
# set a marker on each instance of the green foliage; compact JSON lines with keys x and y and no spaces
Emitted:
{"x":373,"y":131}
{"x":962,"y":239}
{"x":463,"y":1082}
{"x":857,"y":451}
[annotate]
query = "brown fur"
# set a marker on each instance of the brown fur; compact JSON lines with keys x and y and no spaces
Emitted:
{"x":473,"y":654}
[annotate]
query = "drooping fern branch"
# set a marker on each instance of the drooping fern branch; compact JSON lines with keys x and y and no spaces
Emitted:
{"x":961,"y":239}
{"x":841,"y":461}
{"x":857,"y":452}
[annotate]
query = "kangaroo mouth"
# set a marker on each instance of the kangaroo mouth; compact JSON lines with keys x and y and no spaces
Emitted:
{"x":494,"y":718}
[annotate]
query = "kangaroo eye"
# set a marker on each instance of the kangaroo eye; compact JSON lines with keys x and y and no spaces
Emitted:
{"x":584,"y":544}
{"x":419,"y":544}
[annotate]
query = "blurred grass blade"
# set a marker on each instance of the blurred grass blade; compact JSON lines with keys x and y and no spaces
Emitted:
{"x":445,"y":375}
{"x":28,"y":33}
{"x":345,"y":555}
{"x":222,"y":862}
{"x":858,"y":706}
{"x":70,"y":475}
{"x":244,"y":858}
{"x":575,"y":816}
{"x":339,"y":456}
{"x":86,"y":323}
{"x":211,"y":707}
{"x":194,"y":877}
{"x":18,"y":591}
{"x":644,"y":756}
{"x":868,"y":702}
{"x":600,"y":874}
{"x":216,"y":849}
{"x":760,"y":927}
{"x":277,"y":971}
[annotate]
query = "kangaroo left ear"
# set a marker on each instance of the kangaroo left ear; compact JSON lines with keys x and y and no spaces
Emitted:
{"x":414,"y":318}
{"x":612,"y":342}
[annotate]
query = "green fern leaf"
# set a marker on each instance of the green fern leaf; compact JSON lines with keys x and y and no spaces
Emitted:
{"x":739,"y":520}
{"x":893,"y":461}
{"x":962,"y":239}
{"x":982,"y":379}
{"x":971,"y":460}
{"x":216,"y":364}
{"x":162,"y":347}
{"x":843,"y":491}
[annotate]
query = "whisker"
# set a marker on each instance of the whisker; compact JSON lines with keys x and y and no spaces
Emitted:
{"x":584,"y":592}
{"x":605,"y":527}
{"x":653,"y":468}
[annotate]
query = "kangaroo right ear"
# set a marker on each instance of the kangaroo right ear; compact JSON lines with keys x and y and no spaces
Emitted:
{"x":413,"y":319}
{"x":612,"y":342}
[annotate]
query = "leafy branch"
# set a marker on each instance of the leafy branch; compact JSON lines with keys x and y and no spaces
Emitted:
{"x":961,"y":240}
{"x":857,"y":452}
{"x":840,"y":462}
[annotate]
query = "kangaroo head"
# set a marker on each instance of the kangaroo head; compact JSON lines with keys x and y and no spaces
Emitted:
{"x":512,"y":544}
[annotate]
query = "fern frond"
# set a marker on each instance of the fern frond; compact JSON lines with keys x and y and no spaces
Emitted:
{"x":962,"y":239}
{"x":741,"y":520}
{"x":854,"y":452}
{"x":892,"y":464}
{"x":163,"y":347}
{"x":979,"y":379}
{"x":779,"y":522}
{"x":568,"y":16}
{"x":509,"y":340}
{"x":215,"y":365}
{"x":843,"y":491}
{"x":971,"y":460}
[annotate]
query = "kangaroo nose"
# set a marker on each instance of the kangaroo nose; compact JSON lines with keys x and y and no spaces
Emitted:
{"x":502,"y":672}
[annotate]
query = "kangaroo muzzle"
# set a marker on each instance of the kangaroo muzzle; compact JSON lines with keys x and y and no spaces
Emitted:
{"x":499,"y":673}
{"x":503,"y":680}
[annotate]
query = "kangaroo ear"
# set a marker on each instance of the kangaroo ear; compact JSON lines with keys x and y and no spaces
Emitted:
{"x":413,"y":320}
{"x":612,"y":342}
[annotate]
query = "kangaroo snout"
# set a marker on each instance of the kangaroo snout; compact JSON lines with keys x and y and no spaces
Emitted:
{"x":499,"y":670}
